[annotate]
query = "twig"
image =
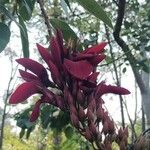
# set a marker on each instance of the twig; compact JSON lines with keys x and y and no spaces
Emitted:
{"x":45,"y":16}
{"x":117,"y":77}
{"x":116,"y":2}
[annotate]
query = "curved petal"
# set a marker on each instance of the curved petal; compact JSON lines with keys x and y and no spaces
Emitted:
{"x":23,"y":92}
{"x":93,"y":77}
{"x":56,"y":51}
{"x":104,"y":89}
{"x":28,"y":76}
{"x":55,"y":73}
{"x":79,"y":69}
{"x":33,"y":66}
{"x":44,"y":53}
{"x":80,"y":56}
{"x":96,"y":60}
{"x":36,"y":111}
{"x":96,"y":49}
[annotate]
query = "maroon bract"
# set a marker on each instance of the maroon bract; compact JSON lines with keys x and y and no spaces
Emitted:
{"x":74,"y":80}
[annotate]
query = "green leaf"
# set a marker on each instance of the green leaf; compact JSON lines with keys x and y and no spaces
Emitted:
{"x":29,"y":132}
{"x":65,"y":28}
{"x":68,"y":33}
{"x":4,"y":36}
{"x":26,"y":8}
{"x":21,"y":134}
{"x":94,"y":8}
{"x":65,"y":8}
{"x":68,"y":132}
{"x":24,"y":39}
{"x":12,"y":18}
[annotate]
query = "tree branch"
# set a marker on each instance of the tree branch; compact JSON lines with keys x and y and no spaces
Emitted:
{"x":117,"y":76}
{"x":45,"y":16}
{"x":125,"y":47}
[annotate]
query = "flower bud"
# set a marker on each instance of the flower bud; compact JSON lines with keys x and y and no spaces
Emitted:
{"x":105,"y":127}
{"x":92,"y":128}
{"x":59,"y":102}
{"x":70,"y":99}
{"x":82,"y":114}
{"x":111,"y":127}
{"x":88,"y":135}
{"x":120,"y":134}
{"x":74,"y":120}
{"x":100,"y":113}
{"x":90,"y":115}
{"x":122,"y":145}
{"x":108,"y":146}
{"x":80,"y":97}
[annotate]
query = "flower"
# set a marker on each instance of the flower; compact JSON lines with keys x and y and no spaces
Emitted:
{"x":74,"y":75}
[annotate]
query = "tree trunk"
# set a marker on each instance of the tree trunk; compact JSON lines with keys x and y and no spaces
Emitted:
{"x":146,"y":97}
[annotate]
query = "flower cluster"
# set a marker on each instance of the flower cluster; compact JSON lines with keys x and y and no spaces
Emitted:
{"x":74,"y":76}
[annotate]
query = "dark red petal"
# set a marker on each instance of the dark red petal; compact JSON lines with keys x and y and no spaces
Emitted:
{"x":23,"y":92}
{"x":28,"y":76}
{"x":81,"y":56}
{"x":33,"y":66}
{"x":55,"y":73}
{"x":104,"y":89}
{"x":96,"y":48}
{"x":59,"y":37}
{"x":79,"y":69}
{"x":93,"y":77}
{"x":44,"y":53}
{"x":56,"y":51}
{"x":36,"y":111}
{"x":96,"y":60}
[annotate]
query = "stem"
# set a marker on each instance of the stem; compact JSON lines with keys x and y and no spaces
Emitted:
{"x":45,"y":16}
{"x":5,"y":106}
{"x":117,"y":77}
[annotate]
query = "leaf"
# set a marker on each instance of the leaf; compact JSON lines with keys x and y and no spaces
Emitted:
{"x":21,"y":134}
{"x":94,"y":8}
{"x":46,"y":115}
{"x":9,"y":15}
{"x":26,"y":8}
{"x":4,"y":36}
{"x":68,"y":33}
{"x":24,"y":38}
{"x":68,"y":132}
{"x":64,"y":6}
{"x":29,"y":132}
{"x":68,"y":4}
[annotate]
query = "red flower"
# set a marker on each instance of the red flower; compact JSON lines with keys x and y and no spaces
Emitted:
{"x":74,"y":80}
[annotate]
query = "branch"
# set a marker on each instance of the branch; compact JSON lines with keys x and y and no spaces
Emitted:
{"x":116,"y":2}
{"x":45,"y":16}
{"x":117,"y":76}
{"x":125,"y":47}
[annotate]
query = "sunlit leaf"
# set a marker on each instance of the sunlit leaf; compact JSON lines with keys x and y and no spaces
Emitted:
{"x":24,"y":39}
{"x":68,"y":33}
{"x":94,"y":8}
{"x":12,"y":18}
{"x":26,"y":8}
